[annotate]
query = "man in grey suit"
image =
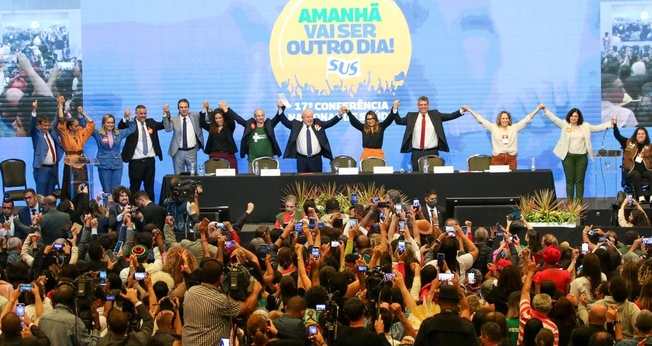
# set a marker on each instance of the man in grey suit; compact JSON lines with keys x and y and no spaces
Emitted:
{"x":53,"y":222}
{"x":187,"y":139}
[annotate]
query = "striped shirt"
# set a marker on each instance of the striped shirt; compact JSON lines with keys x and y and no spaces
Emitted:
{"x":207,"y":315}
{"x":526,"y":313}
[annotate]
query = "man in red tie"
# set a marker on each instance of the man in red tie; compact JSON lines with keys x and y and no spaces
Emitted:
{"x":424,"y":133}
{"x":47,"y":152}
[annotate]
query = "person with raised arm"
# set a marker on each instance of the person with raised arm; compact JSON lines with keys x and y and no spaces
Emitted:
{"x":574,"y":147}
{"x":108,"y":140}
{"x":504,"y":136}
{"x":372,"y":131}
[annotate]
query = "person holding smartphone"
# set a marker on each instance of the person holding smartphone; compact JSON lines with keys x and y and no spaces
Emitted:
{"x":637,"y":217}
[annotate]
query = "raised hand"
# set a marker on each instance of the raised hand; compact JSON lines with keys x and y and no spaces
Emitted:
{"x":166,"y":109}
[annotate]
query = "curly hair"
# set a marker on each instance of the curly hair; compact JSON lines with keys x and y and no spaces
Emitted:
{"x":173,"y":260}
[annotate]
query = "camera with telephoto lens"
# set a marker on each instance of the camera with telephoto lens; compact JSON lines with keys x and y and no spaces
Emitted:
{"x":85,"y":295}
{"x":374,"y":279}
{"x":184,"y":190}
{"x":237,"y":282}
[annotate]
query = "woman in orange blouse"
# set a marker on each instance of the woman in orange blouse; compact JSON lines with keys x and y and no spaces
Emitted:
{"x":73,"y":138}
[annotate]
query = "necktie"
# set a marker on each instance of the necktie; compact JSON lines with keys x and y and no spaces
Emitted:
{"x":109,"y":135}
{"x":185,"y":134}
{"x":33,"y":211}
{"x":423,"y":131}
{"x":54,"y":153}
{"x":308,"y":141}
{"x":144,"y":139}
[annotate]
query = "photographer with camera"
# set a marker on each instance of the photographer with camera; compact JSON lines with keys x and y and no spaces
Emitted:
{"x":147,"y":211}
{"x":119,"y":325}
{"x":207,"y":311}
{"x":356,"y":333}
{"x":62,"y":325}
{"x":168,"y":321}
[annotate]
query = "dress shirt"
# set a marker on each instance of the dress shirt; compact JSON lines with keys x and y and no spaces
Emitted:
{"x":432,"y":141}
{"x":302,"y":147}
{"x":191,"y":136}
{"x":138,"y":153}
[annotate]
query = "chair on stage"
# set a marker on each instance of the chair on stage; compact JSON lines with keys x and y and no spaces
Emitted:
{"x":265,"y":162}
{"x":433,"y":160}
{"x":342,"y":161}
{"x":479,"y":162}
{"x":217,"y":163}
{"x":368,"y":163}
{"x":13,"y":176}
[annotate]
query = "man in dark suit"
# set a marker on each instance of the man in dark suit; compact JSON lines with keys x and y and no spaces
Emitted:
{"x":424,"y":133}
{"x":151,"y":212}
{"x":434,"y":213}
{"x":47,"y":152}
{"x":258,"y":138}
{"x":53,"y":222}
{"x":308,"y":141}
{"x":24,"y":221}
{"x":140,"y":149}
{"x":120,"y":208}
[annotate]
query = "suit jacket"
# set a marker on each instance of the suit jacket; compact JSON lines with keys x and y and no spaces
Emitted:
{"x":436,"y":118}
{"x":561,"y":149}
{"x":22,"y":224}
{"x":228,"y":128}
{"x":249,"y":126}
{"x":153,"y":213}
{"x":52,"y":225}
{"x":441,"y":214}
{"x":40,"y":145}
{"x":109,"y":158}
{"x":153,"y":126}
{"x":318,"y":126}
{"x":113,"y":222}
{"x":176,"y":123}
{"x":39,"y":338}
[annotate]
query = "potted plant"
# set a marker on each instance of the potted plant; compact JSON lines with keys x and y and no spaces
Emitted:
{"x":543,"y":209}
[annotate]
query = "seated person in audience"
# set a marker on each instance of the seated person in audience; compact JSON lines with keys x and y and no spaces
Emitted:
{"x":334,"y":216}
{"x":120,"y":207}
{"x":637,"y":164}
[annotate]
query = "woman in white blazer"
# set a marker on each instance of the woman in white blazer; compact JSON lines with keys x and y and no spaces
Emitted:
{"x":573,"y":146}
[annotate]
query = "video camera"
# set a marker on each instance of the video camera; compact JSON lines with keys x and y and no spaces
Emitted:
{"x":237,"y":282}
{"x":85,"y":295}
{"x":184,"y":190}
{"x":374,"y":279}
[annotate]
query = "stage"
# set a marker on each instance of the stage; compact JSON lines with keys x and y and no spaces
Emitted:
{"x":265,"y":192}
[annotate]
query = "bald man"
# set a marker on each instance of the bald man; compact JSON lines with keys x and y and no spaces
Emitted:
{"x":308,"y":142}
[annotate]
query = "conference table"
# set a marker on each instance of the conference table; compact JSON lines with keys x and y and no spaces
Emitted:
{"x":266,"y":191}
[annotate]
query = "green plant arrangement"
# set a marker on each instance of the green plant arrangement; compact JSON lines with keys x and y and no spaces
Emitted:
{"x":543,"y":207}
{"x":320,"y":194}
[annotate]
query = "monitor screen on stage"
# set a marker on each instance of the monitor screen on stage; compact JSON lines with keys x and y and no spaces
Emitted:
{"x":488,"y":55}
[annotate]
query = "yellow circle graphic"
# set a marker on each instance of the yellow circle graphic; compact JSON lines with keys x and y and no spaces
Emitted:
{"x":319,"y":46}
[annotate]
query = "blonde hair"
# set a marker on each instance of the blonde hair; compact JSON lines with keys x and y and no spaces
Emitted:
{"x":103,"y":129}
{"x":173,"y":260}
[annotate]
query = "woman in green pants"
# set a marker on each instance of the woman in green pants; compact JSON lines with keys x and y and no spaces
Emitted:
{"x":573,"y":146}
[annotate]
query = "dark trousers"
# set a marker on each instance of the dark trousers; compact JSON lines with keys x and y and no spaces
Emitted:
{"x":575,"y":171}
{"x":79,"y":175}
{"x":637,"y":180}
{"x":418,"y":153}
{"x":142,"y":171}
{"x":309,"y":164}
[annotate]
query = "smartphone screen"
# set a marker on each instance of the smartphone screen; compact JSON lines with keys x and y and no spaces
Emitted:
{"x":389,"y":277}
{"x":118,"y":246}
{"x":401,"y":225}
{"x":312,"y":330}
{"x":320,"y":307}
{"x":375,"y":200}
{"x":352,"y":222}
{"x":362,"y":269}
{"x":20,"y":310}
{"x":401,"y":246}
{"x":398,"y":208}
{"x":102,"y":280}
{"x":139,"y":276}
{"x":57,"y":246}
{"x":446,"y":276}
{"x":441,"y":258}
{"x":110,"y":298}
{"x":225,"y":342}
{"x":415,"y":203}
{"x":311,"y":223}
{"x":25,"y":287}
{"x":647,"y":241}
{"x":315,"y":252}
{"x":585,"y":248}
{"x":335,"y":243}
{"x":354,"y":199}
{"x":263,"y":249}
{"x":298,"y":227}
{"x":470,"y":277}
